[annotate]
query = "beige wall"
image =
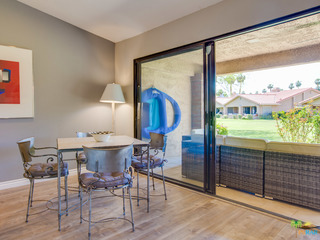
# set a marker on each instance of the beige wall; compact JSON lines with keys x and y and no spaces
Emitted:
{"x":71,"y":69}
{"x":316,"y":102}
{"x":242,"y":102}
{"x":265,"y":110}
{"x":227,"y":16}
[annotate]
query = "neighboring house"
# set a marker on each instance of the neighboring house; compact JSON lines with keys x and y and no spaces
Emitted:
{"x":314,"y":101}
{"x":266,"y":103}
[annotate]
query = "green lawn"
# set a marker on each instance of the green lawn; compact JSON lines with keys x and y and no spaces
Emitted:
{"x":258,"y":128}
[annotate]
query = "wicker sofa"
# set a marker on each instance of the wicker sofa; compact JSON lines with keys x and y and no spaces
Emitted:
{"x":284,"y":171}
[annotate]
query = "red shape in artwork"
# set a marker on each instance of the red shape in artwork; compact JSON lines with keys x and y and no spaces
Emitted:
{"x":9,"y":82}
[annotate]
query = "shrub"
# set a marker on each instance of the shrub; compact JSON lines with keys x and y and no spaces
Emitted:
{"x":221,"y":130}
{"x":266,"y":116}
{"x":239,"y":116}
{"x":248,"y":117}
{"x":225,"y":116}
{"x":235,"y":116}
{"x":218,"y":116}
{"x":299,"y":125}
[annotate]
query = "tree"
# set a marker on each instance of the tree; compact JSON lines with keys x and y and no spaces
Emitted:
{"x":298,"y":84}
{"x":230,"y":79}
{"x":291,"y":86}
{"x":221,"y":93}
{"x":264,"y":90}
{"x":240,"y":79}
{"x":270,"y":86}
{"x":226,"y":82}
{"x":317,"y":82}
{"x":257,"y":92}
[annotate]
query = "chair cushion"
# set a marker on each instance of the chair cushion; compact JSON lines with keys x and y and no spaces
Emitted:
{"x":81,"y":158}
{"x":106,"y":180}
{"x":137,"y":163}
{"x":47,"y":169}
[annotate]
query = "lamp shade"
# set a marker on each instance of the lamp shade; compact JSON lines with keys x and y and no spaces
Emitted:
{"x":112,"y":94}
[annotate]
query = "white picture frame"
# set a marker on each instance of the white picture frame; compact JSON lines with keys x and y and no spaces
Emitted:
{"x":25,"y":108}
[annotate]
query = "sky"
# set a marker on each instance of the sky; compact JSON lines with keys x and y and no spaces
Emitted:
{"x":281,"y":77}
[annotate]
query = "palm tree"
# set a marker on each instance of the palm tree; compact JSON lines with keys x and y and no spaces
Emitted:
{"x":291,"y":86}
{"x":298,"y":84}
{"x":317,"y":82}
{"x":240,"y":79}
{"x":230,"y":79}
{"x":270,"y":86}
{"x":264,"y":90}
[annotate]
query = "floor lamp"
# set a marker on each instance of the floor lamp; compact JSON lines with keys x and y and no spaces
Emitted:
{"x":113,"y":94}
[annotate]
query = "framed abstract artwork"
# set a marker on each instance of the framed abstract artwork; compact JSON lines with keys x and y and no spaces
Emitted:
{"x":16,"y":83}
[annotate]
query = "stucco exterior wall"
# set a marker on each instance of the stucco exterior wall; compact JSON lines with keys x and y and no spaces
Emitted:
{"x":178,"y":87}
{"x":265,"y":110}
{"x":241,"y":102}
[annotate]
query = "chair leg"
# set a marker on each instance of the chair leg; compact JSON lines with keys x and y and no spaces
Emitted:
{"x":89,"y":232}
{"x":152,"y":179}
{"x":80,"y":204}
{"x":137,"y":187}
{"x":124,"y":203}
{"x":164,"y":184}
{"x":78,"y":172}
{"x":29,"y":199}
{"x":66,"y":192}
{"x":32,"y":193}
{"x":132,"y":222}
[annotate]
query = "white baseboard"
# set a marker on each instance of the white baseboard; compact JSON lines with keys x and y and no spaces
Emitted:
{"x":23,"y":181}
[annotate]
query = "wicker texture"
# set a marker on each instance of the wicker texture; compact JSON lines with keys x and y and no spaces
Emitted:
{"x":293,"y":178}
{"x":193,"y":161}
{"x":242,"y":169}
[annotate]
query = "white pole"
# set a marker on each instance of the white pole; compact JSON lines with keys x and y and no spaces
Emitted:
{"x":113,"y":118}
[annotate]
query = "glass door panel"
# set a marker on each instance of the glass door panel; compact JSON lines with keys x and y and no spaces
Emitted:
{"x":171,"y":102}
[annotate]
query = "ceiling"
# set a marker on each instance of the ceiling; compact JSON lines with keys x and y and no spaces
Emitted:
{"x":117,"y":20}
{"x":295,"y":34}
{"x":291,"y":43}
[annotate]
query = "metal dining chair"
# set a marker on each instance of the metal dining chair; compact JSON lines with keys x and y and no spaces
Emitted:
{"x":80,"y":156}
{"x":109,"y":171}
{"x":157,"y":152}
{"x":40,"y":170}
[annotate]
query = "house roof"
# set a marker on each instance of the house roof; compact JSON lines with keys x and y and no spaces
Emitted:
{"x":311,"y":99}
{"x":271,"y":98}
{"x":223,"y":100}
{"x":283,"y":95}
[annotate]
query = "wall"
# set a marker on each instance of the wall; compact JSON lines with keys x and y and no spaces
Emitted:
{"x":174,"y":75}
{"x":71,"y":69}
{"x":227,"y":16}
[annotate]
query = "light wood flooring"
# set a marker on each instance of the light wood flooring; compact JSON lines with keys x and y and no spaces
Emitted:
{"x":286,"y":209}
{"x":185,"y":215}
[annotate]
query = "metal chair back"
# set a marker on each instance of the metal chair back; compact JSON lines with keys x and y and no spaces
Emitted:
{"x":26,"y":147}
{"x":83,"y":134}
{"x":111,"y":159}
{"x":158,"y":141}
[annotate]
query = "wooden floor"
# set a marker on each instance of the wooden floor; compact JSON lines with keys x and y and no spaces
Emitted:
{"x":285,"y":209}
{"x":185,"y":215}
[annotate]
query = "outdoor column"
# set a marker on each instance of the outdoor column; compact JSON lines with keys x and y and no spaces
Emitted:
{"x":240,"y":110}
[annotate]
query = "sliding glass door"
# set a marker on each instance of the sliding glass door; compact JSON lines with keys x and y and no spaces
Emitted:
{"x":172,"y":98}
